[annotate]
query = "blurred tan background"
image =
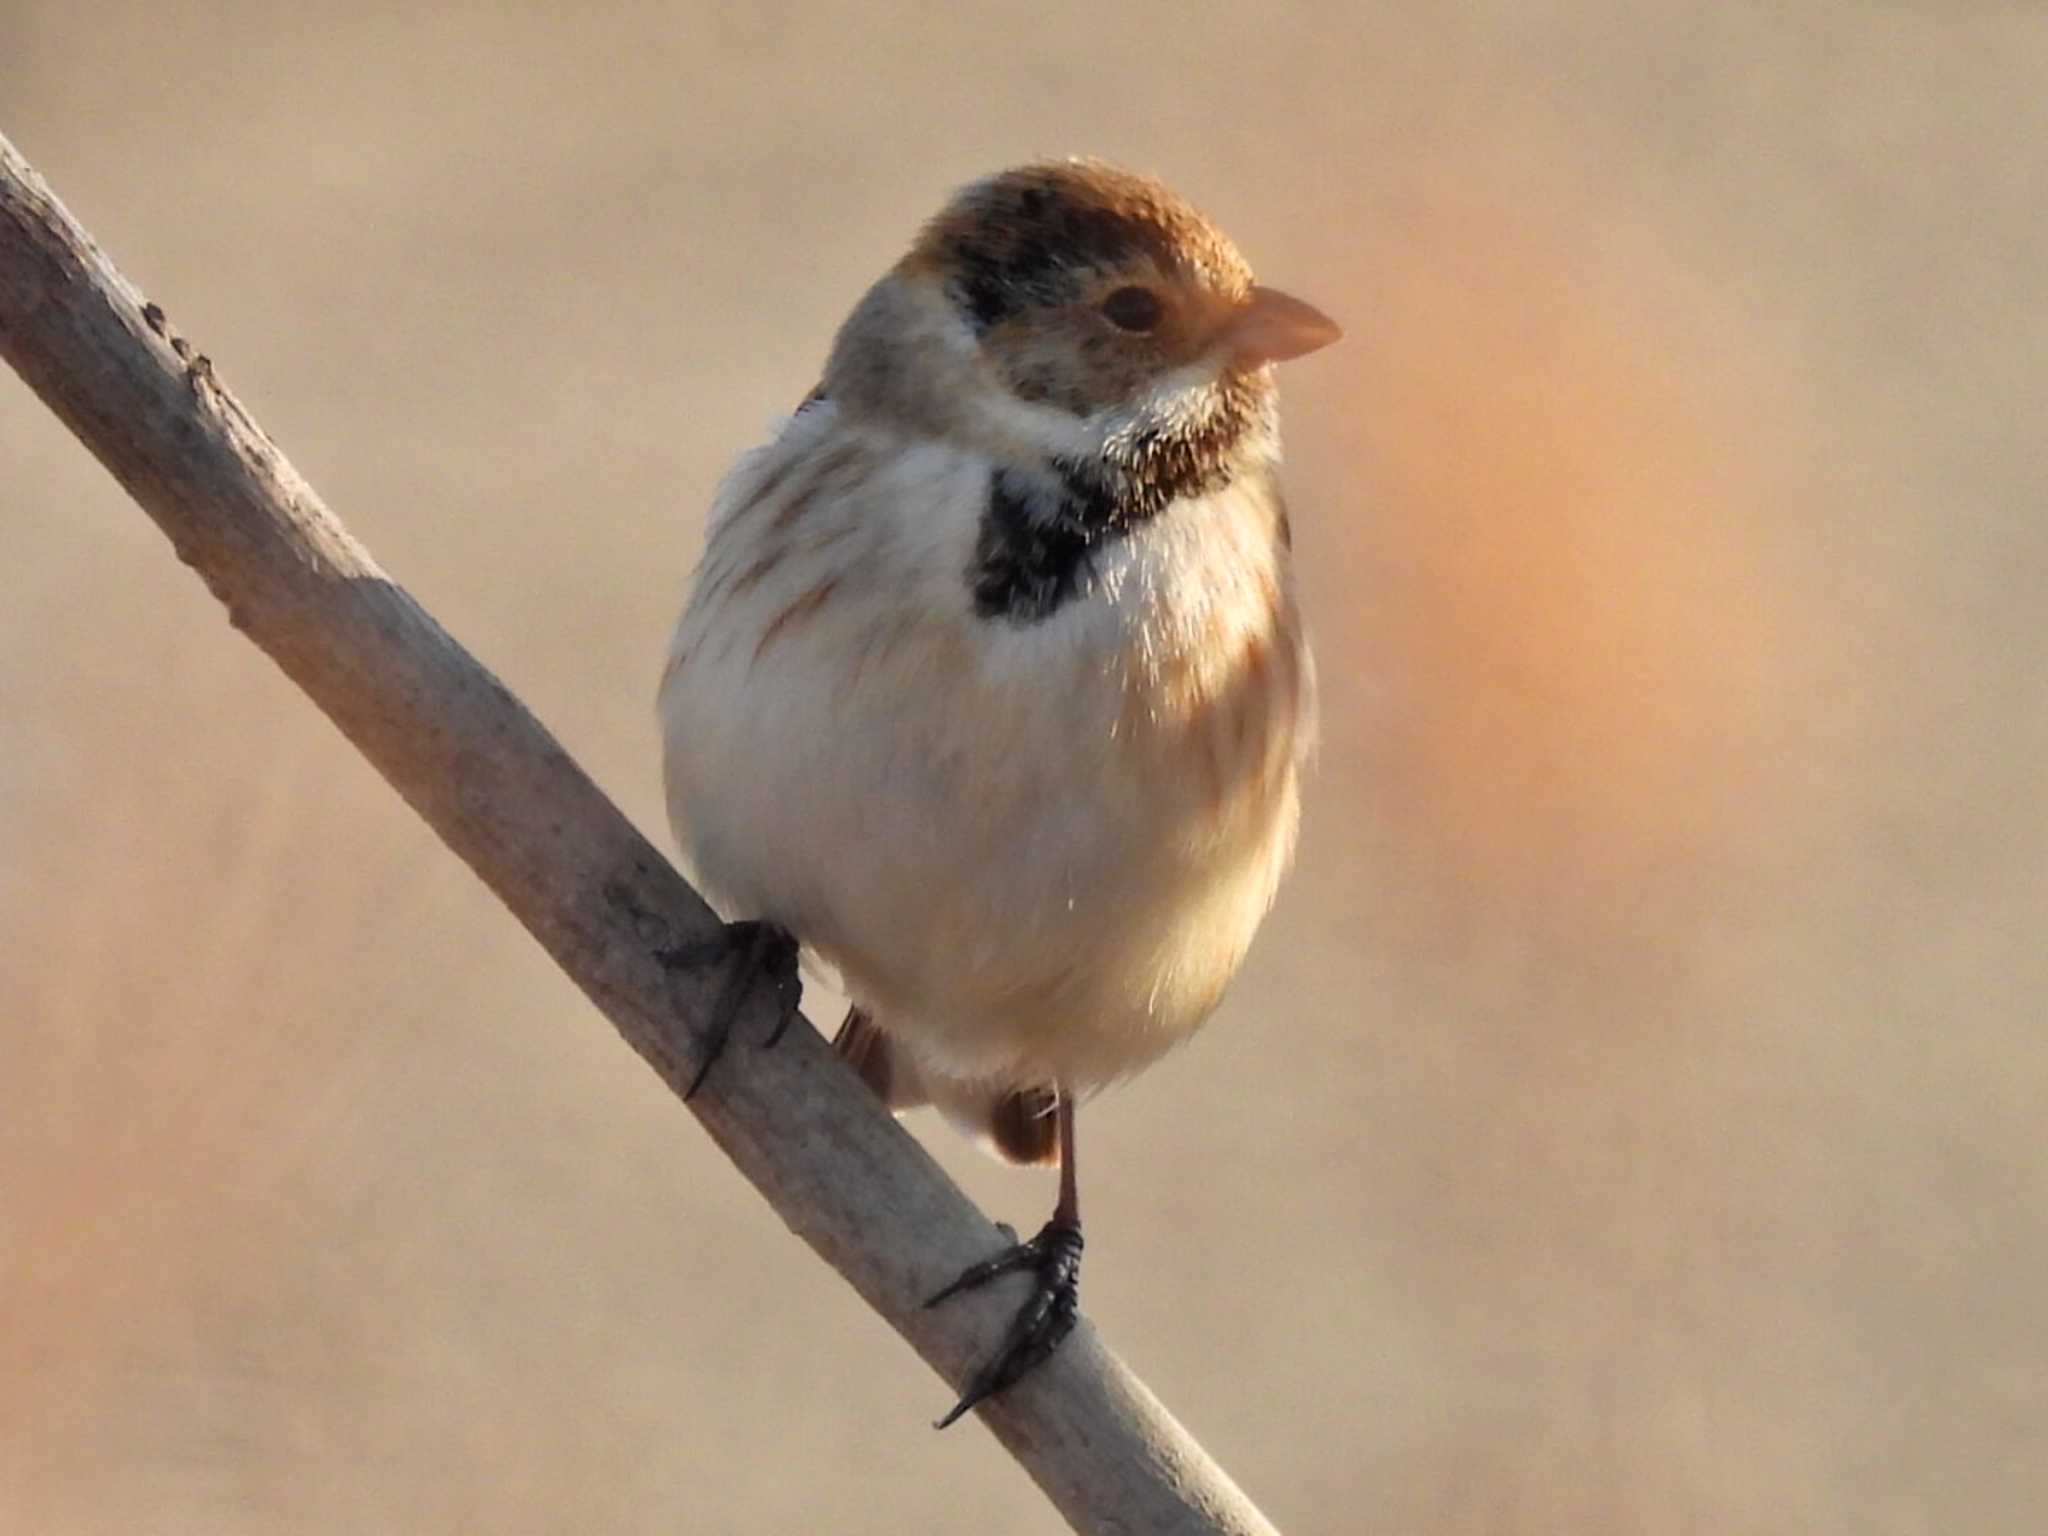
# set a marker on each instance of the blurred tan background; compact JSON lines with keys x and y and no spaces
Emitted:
{"x":1632,"y":1118}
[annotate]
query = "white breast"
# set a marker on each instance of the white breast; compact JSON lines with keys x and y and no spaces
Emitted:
{"x":1037,"y":852}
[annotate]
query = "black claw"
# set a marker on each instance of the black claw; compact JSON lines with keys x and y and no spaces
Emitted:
{"x":749,"y":950}
{"x":1045,"y":1319}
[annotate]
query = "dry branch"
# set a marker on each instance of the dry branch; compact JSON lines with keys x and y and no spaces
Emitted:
{"x":502,"y":793}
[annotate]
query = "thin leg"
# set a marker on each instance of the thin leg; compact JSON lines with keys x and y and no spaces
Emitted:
{"x":751,"y":951}
{"x":1068,"y":1210}
{"x":1048,"y":1313}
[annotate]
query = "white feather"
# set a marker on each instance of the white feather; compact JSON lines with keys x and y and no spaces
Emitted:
{"x":1037,"y":852}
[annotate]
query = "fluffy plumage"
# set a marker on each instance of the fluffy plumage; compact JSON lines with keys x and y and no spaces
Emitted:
{"x":991,"y":686}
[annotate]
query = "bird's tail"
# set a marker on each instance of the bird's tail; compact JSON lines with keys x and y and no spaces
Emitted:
{"x":1017,"y":1124}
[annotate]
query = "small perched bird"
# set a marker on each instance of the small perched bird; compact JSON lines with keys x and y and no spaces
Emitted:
{"x":991,"y":690}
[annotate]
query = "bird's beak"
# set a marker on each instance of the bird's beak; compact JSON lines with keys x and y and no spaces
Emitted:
{"x":1274,"y":326}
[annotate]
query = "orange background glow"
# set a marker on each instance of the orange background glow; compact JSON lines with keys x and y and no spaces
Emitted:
{"x":1630,"y":1119}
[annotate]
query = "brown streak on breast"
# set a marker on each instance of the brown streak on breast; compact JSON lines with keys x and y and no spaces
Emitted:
{"x":1253,"y":687}
{"x":829,"y":469}
{"x":770,"y":484}
{"x":1207,"y":744}
{"x":758,"y":572}
{"x":826,"y":538}
{"x":1288,"y":654}
{"x":793,"y":511}
{"x":802,"y":608}
{"x":711,"y":581}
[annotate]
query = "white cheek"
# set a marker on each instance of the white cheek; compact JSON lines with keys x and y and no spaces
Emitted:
{"x":1023,"y":432}
{"x":1178,"y":402}
{"x":1185,"y":394}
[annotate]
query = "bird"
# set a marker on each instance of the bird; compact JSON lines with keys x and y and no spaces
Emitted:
{"x":991,"y":692}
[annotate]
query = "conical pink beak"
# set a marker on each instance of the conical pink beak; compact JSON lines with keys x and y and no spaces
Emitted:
{"x":1275,"y":326}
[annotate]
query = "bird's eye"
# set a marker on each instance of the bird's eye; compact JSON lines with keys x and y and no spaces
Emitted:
{"x":1132,"y":309}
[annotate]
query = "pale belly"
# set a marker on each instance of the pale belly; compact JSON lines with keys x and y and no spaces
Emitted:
{"x":1037,"y":852}
{"x":1029,"y":874}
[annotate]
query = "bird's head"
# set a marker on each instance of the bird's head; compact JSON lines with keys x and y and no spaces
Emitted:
{"x":1072,"y":311}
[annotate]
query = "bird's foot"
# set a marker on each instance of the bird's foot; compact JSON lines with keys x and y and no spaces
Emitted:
{"x":1046,"y":1317}
{"x":749,"y":951}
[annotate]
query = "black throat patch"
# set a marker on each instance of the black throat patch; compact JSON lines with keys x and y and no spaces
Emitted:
{"x":1041,"y":531}
{"x":1037,"y":546}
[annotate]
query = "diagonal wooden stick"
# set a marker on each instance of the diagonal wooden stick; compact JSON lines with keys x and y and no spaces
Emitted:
{"x":502,"y":793}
